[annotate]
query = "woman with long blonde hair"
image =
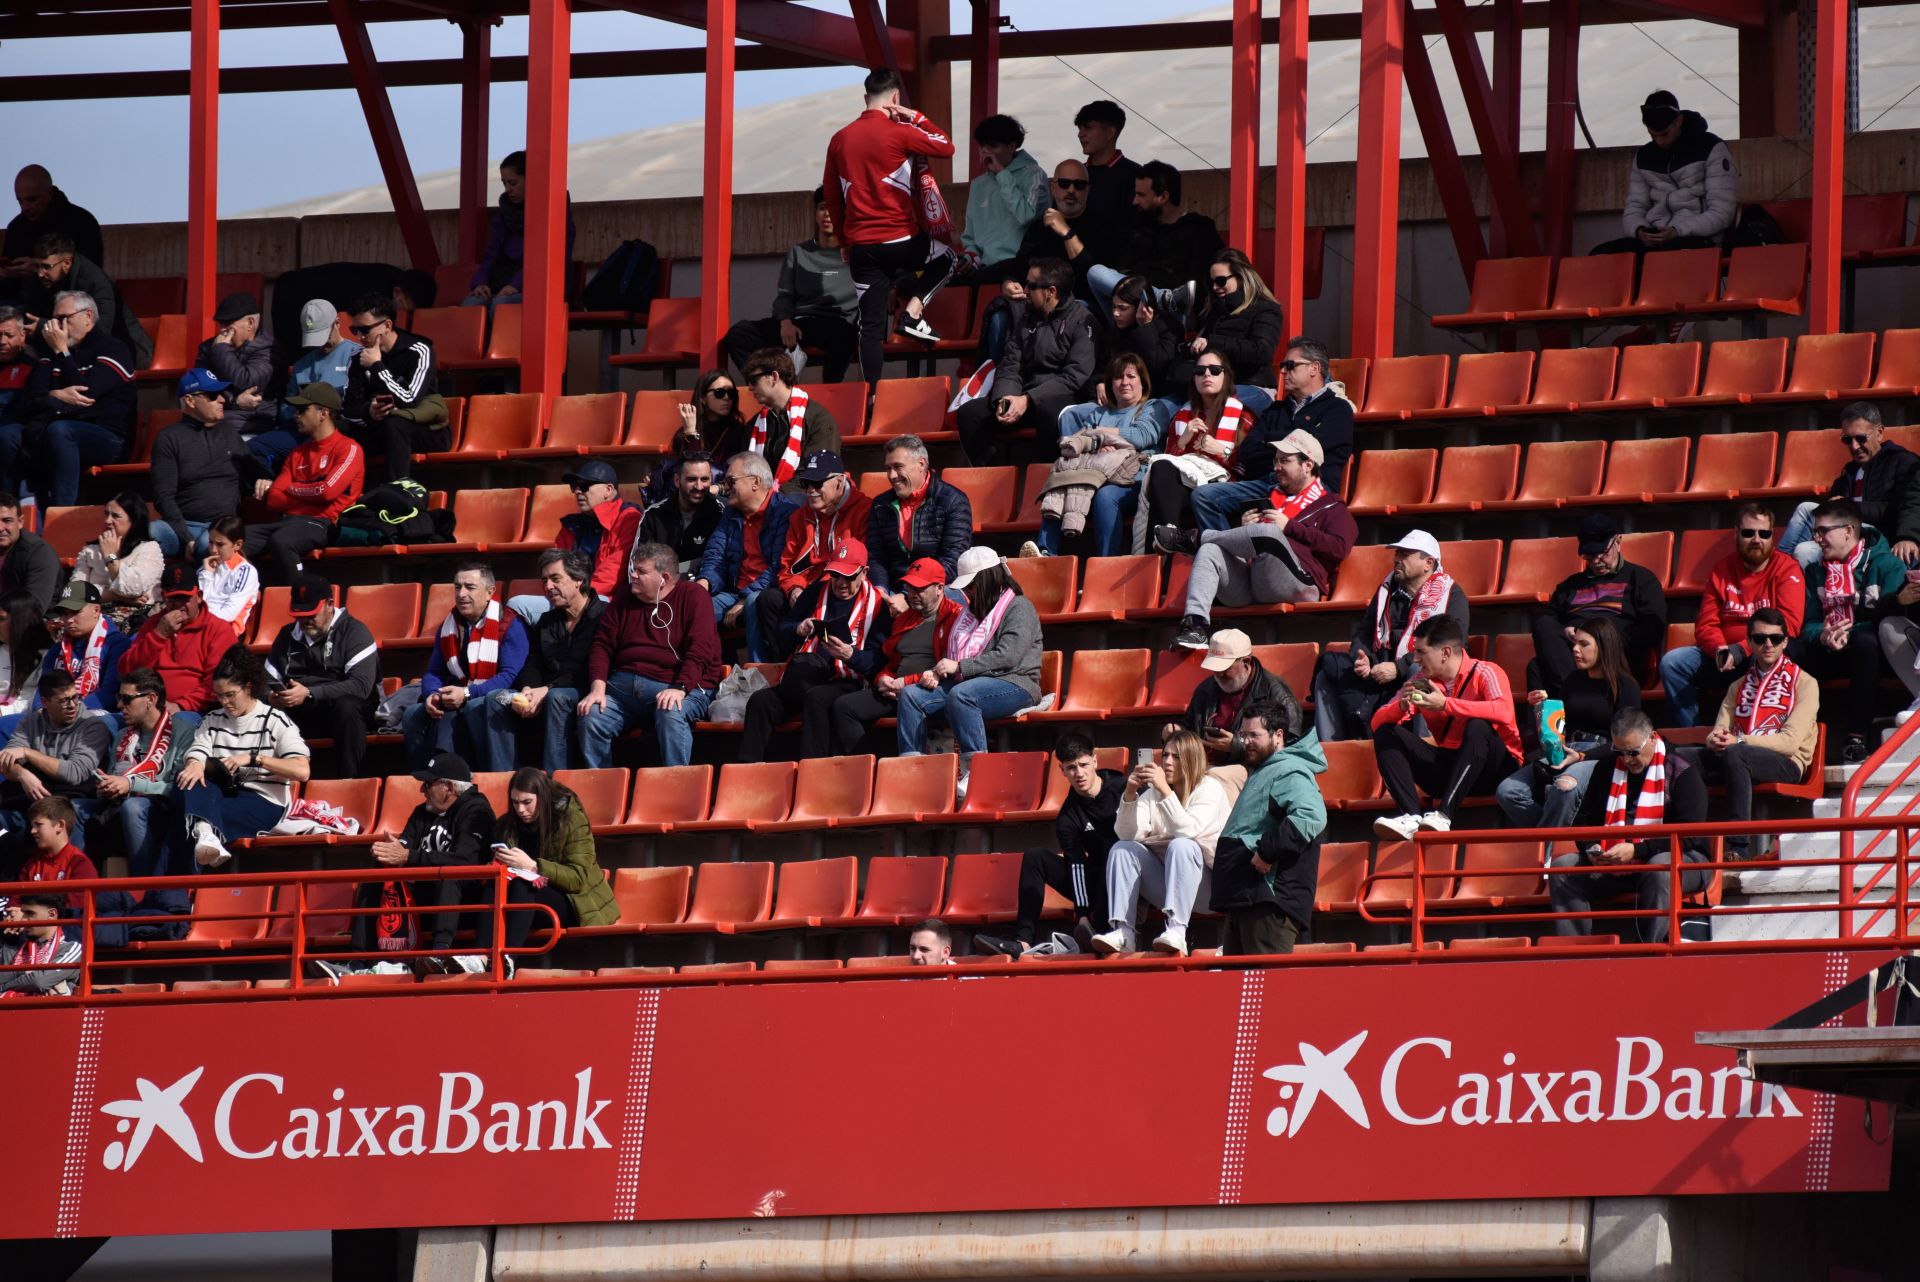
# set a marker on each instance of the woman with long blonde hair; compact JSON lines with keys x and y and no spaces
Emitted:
{"x":1169,"y":821}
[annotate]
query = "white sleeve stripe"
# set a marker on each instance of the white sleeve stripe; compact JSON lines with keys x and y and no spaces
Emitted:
{"x":358,"y":659}
{"x":115,"y":366}
{"x":411,"y":392}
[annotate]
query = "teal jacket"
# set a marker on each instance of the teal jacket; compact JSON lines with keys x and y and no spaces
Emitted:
{"x":1280,"y":816}
{"x":1000,"y":207}
{"x":1881,"y":576}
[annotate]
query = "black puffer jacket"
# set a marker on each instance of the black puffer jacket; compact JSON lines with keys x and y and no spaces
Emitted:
{"x":1247,"y":339}
{"x":942,"y":529}
{"x":1265,"y":687}
{"x":1890,"y":500}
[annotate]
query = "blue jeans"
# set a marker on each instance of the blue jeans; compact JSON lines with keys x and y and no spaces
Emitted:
{"x":630,"y":703}
{"x":1528,"y":804}
{"x":969,"y":705}
{"x":498,"y":740}
{"x":1218,"y":506}
{"x":463,"y":731}
{"x":169,"y":540}
{"x":760,"y":648}
{"x":993,"y":332}
{"x":64,"y":449}
{"x":531,"y":608}
{"x":1110,"y":522}
{"x":1680,"y":670}
{"x":141,"y":824}
{"x":270,"y":449}
{"x":560,"y":731}
{"x":245,"y":814}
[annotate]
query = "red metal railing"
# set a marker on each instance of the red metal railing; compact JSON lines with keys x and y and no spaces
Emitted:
{"x":1850,"y":808}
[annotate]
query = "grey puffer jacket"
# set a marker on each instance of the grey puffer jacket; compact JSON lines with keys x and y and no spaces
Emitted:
{"x":1692,"y":188}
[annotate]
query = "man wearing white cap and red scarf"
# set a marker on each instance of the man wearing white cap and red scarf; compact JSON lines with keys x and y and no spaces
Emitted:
{"x":790,"y":425}
{"x":1647,"y":783}
{"x":1350,"y":686}
{"x":479,"y":648}
{"x":1767,"y":725}
{"x":833,"y":640}
{"x":1853,"y":583}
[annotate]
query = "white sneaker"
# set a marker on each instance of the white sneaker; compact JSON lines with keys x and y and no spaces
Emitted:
{"x":1030,"y":549}
{"x":1120,"y":939}
{"x":207,"y":850}
{"x":1172,"y":940}
{"x":389,"y":968}
{"x":960,"y":788}
{"x":1434,"y":821}
{"x":472,"y":963}
{"x":1901,"y":718}
{"x":1396,"y":827}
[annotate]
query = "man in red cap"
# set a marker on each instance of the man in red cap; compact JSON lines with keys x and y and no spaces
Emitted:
{"x":183,"y":643}
{"x":832,"y":639}
{"x":918,"y":638}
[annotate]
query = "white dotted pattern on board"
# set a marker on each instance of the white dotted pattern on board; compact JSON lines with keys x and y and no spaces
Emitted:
{"x":1820,"y":1121}
{"x":73,"y":1166}
{"x":1246,"y":1037}
{"x":633,"y":1128}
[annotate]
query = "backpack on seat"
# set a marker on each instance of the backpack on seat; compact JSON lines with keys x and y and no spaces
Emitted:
{"x":626,"y":281}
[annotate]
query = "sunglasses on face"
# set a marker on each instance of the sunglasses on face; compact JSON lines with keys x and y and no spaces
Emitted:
{"x":1037,"y":284}
{"x":1767,"y":638}
{"x":1072,"y":184}
{"x":1287,"y":367}
{"x":1221,"y":281}
{"x":1210,"y":370}
{"x":362,"y":331}
{"x":1633,"y":752}
{"x":1851,"y":441}
{"x":724,"y":393}
{"x":1756,"y":534}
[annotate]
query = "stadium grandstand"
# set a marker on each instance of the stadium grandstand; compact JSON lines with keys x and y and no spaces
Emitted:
{"x":571,"y":731}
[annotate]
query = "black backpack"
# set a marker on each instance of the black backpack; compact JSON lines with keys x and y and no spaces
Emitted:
{"x":626,"y":281}
{"x":394,"y":513}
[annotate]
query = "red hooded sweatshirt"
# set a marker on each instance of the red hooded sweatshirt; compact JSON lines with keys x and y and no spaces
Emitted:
{"x":1733,"y":593}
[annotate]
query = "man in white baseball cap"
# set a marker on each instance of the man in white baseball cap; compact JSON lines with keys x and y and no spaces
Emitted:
{"x":1349,"y":687}
{"x":329,"y":352}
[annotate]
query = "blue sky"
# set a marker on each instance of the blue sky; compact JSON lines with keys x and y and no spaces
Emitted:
{"x":131,"y":164}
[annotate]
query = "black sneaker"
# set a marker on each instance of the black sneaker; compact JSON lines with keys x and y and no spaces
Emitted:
{"x":332,"y":970}
{"x":437,"y":966}
{"x":986,"y":945}
{"x":1083,"y":934}
{"x":1192,"y":634}
{"x":1855,"y":751}
{"x":1180,"y":299}
{"x":1173,"y":539}
{"x":916,"y":327}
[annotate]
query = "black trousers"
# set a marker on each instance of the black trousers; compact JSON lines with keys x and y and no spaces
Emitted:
{"x":981,"y":431}
{"x":1651,"y":885}
{"x":1634,"y":245}
{"x":1083,"y":880}
{"x":1860,"y":663}
{"x":289,"y":541}
{"x":436,"y":929}
{"x":1739,"y":768}
{"x":1343,"y":703}
{"x":398,"y":438}
{"x":1449,"y":775}
{"x":808,"y":687}
{"x":1258,"y":930}
{"x":854,"y":716}
{"x":1169,"y":499}
{"x":345,"y":721}
{"x":875,"y":268}
{"x":833,"y":336}
{"x":521,"y":924}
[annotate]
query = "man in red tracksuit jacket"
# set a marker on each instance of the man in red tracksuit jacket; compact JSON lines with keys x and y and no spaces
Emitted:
{"x":320,"y":480}
{"x":870,"y":191}
{"x":1754,"y":574}
{"x":1469,"y":712}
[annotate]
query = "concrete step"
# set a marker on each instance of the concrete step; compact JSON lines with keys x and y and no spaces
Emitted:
{"x":1826,"y":845}
{"x":1839,"y":772}
{"x":1813,"y":879}
{"x":1821,"y":920}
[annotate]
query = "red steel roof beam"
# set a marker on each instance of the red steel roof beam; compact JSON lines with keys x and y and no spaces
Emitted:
{"x":983,"y":89}
{"x":1563,"y":96}
{"x":1443,"y":158}
{"x":476,"y":95}
{"x":777,"y":23}
{"x":388,"y":145}
{"x":1497,"y":154}
{"x":1376,"y":194}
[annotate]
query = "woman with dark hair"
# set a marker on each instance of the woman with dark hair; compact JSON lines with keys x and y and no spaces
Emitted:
{"x":1241,"y":322}
{"x":1545,"y":795}
{"x":229,"y":583}
{"x":1200,"y":444}
{"x":125,"y":562}
{"x":545,"y":839}
{"x":1140,"y":330}
{"x":710,"y":423}
{"x":1125,"y":416}
{"x":24,"y":641}
{"x":498,"y":279}
{"x":991,"y":667}
{"x":244,"y":759}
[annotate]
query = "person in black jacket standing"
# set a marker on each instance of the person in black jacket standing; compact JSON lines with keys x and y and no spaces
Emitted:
{"x":1078,"y":869}
{"x":1047,"y":364}
{"x":388,"y":387}
{"x":1609,"y":584}
{"x":1311,"y":403}
{"x":324,"y":673}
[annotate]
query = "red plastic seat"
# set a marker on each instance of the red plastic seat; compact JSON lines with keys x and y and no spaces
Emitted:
{"x":1474,"y":564}
{"x":1808,"y":463}
{"x":388,"y":609}
{"x":69,"y":529}
{"x":1899,"y":372}
{"x":1343,"y":865}
{"x":1176,"y":673}
{"x":1391,"y":479}
{"x":356,"y":798}
{"x":652,"y":896}
{"x":1352,"y":777}
{"x":1679,"y":277}
{"x":1827,"y":367}
{"x":801,"y":963}
{"x":1048,"y":582}
{"x":1100,"y":681}
{"x":1557,"y":471}
{"x":1761,"y":278}
{"x":1867,"y":223}
{"x":1739,"y":371}
{"x":1400,"y":385}
{"x":1002,"y":783}
{"x":152,"y":295}
{"x":551,"y":504}
{"x":586,"y":423}
{"x":489,"y":516}
{"x":811,"y":892}
{"x":1291,"y":661}
{"x":847,"y":402}
{"x":1512,"y":652}
{"x":1570,"y":377}
{"x":902,"y":890}
{"x":748,"y":793}
{"x":1502,"y":288}
{"x":826,"y":791}
{"x":988,"y":489}
{"x":439,"y":604}
{"x":664,"y":796}
{"x":1471,"y":476}
{"x":327,"y":902}
{"x":724,"y":896}
{"x":985,"y":889}
{"x":1353,"y":374}
{"x":1536,"y":566}
{"x":1391,"y":883}
{"x":1500,"y":874}
{"x":1026,"y":516}
{"x":906,"y":406}
{"x":909,"y":790}
{"x":496,"y":424}
{"x":1727,"y":464}
{"x":1639,"y":469}
{"x":1654,"y":374}
{"x":173,"y":348}
{"x":673,"y":337}
{"x":1651,"y":550}
{"x":459,"y":334}
{"x":653,"y":420}
{"x":246,"y":906}
{"x":1358,"y":577}
{"x":602,"y":792}
{"x":1700,"y":551}
{"x":1484,"y":381}
{"x":1112,"y":585}
{"x":951,"y":313}
{"x":721,"y":968}
{"x":503,"y":338}
{"x":1586,"y":286}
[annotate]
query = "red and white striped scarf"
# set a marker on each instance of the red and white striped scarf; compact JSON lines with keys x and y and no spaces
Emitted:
{"x":796,"y":427}
{"x":1766,"y":700}
{"x":147,"y":764}
{"x":1226,"y":431}
{"x":1430,"y":600}
{"x":86,"y":676}
{"x":866,"y":608}
{"x":1841,"y":591}
{"x":1652,"y":802}
{"x":482,"y":657}
{"x":1292,"y":507}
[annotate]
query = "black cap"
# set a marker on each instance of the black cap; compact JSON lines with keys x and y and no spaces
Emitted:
{"x":1596,"y":532}
{"x":445,"y":765}
{"x":234,"y":306}
{"x":1658,"y":111}
{"x":592,"y":472}
{"x":310,"y":592}
{"x":819,"y":466}
{"x":179,"y":579}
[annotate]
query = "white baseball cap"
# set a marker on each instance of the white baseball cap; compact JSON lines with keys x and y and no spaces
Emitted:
{"x":1419,"y":541}
{"x":972,"y":561}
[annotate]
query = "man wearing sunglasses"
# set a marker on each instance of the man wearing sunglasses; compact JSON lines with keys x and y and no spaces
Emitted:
{"x":1683,"y":191}
{"x":1855,"y":581}
{"x":79,"y":404}
{"x":1069,"y":231}
{"x":1767,"y":724}
{"x":1046,"y":365}
{"x":1311,"y":403}
{"x":1881,"y":478}
{"x":1647,"y":783}
{"x":393,"y":404}
{"x":1752,"y":576}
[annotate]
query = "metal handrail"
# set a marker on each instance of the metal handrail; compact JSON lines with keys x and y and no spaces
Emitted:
{"x":1850,"y":809}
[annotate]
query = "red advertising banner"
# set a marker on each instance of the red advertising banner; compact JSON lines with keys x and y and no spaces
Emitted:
{"x":1303,"y":1084}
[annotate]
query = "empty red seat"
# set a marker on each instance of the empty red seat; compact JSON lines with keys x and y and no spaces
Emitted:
{"x":356,"y":798}
{"x":673,"y":337}
{"x":1586,"y":286}
{"x":1500,"y":874}
{"x":988,"y":489}
{"x":1002,"y":783}
{"x":1639,"y":469}
{"x":726,"y":895}
{"x":1175,"y":675}
{"x":1679,"y":277}
{"x":1502,"y":287}
{"x":1484,"y":381}
{"x":1391,"y":883}
{"x":1100,"y":681}
{"x":826,"y":790}
{"x":1899,"y":371}
{"x":1569,"y":378}
{"x":1026,"y":517}
{"x":496,"y":424}
{"x":907,"y":406}
{"x":1808,"y":463}
{"x":1512,"y":652}
{"x":811,"y":892}
{"x":584,"y":423}
{"x":1474,"y":564}
{"x":224,"y":915}
{"x":800,"y":963}
{"x":388,"y":609}
{"x":602,"y":792}
{"x":653,"y":421}
{"x":1700,"y":551}
{"x":1291,"y":661}
{"x":1739,"y":371}
{"x":1112,"y":585}
{"x":984,"y":890}
{"x":1557,"y":471}
{"x":909,"y":790}
{"x":847,"y":402}
{"x":173,"y":348}
{"x":1351,"y":373}
{"x":69,"y":529}
{"x":667,"y":795}
{"x":1343,"y":865}
{"x":902,"y":890}
{"x":459,"y":334}
{"x":1047,"y":581}
{"x":652,"y":896}
{"x":1652,"y":550}
{"x":1827,"y":367}
{"x":1653,"y":374}
{"x":1357,"y":579}
{"x":1389,"y":479}
{"x":1536,"y":566}
{"x":1400,"y":385}
{"x":489,"y":516}
{"x":1761,"y":278}
{"x":748,"y":793}
{"x":1352,"y":778}
{"x":1727,"y":464}
{"x":1474,"y":475}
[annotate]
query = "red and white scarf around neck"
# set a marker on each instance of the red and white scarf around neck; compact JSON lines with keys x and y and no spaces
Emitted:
{"x":1227,"y":431}
{"x":147,"y":766}
{"x":86,"y":675}
{"x":867,"y":607}
{"x":1841,"y":591}
{"x":796,"y":427}
{"x":481,"y":657}
{"x":1430,"y":600}
{"x":1292,"y":507}
{"x":1766,"y":701}
{"x":1652,"y":801}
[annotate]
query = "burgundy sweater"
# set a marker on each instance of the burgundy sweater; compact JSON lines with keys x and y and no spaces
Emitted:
{"x":676,"y":641}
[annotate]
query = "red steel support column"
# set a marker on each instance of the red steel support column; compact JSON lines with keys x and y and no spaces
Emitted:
{"x":203,"y":166}
{"x":543,"y":340}
{"x":1829,"y":161}
{"x":1443,"y":158}
{"x":1507,"y":56}
{"x":983,"y":73}
{"x":388,"y":145}
{"x":929,"y":81}
{"x":1290,"y":166}
{"x":716,"y":215}
{"x":1563,"y":93}
{"x":1499,"y":160}
{"x":476,"y":84}
{"x":1376,"y":194}
{"x":1243,"y":140}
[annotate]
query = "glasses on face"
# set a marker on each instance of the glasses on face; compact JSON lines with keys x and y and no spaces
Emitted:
{"x":1036,"y":284}
{"x":1851,"y":441}
{"x":71,"y":696}
{"x":1211,"y":371}
{"x":724,"y":393}
{"x":1767,"y":638}
{"x":362,"y":331}
{"x":1634,"y":752}
{"x":1072,"y":184}
{"x":61,"y":316}
{"x":1221,"y":282}
{"x":1822,"y":531}
{"x":1287,"y":367}
{"x":1762,"y":535}
{"x":127,"y":698}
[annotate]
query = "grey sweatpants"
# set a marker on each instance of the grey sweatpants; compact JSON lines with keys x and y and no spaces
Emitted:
{"x":1231,"y":570}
